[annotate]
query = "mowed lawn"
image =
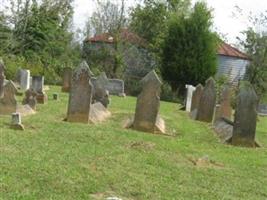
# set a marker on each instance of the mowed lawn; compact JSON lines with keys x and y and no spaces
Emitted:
{"x":53,"y":159}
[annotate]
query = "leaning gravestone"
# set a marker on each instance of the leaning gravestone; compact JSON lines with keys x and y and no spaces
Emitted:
{"x":100,"y":93}
{"x":24,"y":79}
{"x":147,"y":107}
{"x":190,"y":90}
{"x":67,"y":74}
{"x":2,"y":78}
{"x":38,"y":87}
{"x":8,"y":103}
{"x":245,"y":117}
{"x":225,"y":102}
{"x":80,"y":95}
{"x":207,"y":102}
{"x":30,"y":98}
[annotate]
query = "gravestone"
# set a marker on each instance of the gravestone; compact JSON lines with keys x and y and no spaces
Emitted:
{"x":30,"y":98}
{"x":245,"y":117}
{"x":195,"y":100}
{"x":55,"y":96}
{"x":66,"y":82}
{"x":25,"y":79}
{"x":38,"y":87}
{"x":2,"y":78}
{"x":207,"y":102}
{"x":8,"y":102}
{"x":80,"y":95}
{"x":225,"y":102}
{"x":100,"y":93}
{"x":16,"y":121}
{"x":113,"y":86}
{"x":148,"y":103}
{"x":190,"y":90}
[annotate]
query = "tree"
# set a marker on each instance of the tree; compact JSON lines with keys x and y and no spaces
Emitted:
{"x":255,"y":45}
{"x":149,"y":20}
{"x":189,"y":48}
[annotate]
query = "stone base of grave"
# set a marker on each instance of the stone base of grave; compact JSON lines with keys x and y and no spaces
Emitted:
{"x":159,"y":127}
{"x":41,"y":98}
{"x":122,"y":95}
{"x":98,"y":113}
{"x":242,"y":142}
{"x":78,"y":118}
{"x":25,"y":110}
{"x":17,"y":127}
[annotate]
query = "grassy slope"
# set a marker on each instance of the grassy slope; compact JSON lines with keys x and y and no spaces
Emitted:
{"x":53,"y":159}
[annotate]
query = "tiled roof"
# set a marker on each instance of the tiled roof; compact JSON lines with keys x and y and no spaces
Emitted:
{"x":125,"y":35}
{"x":228,"y":50}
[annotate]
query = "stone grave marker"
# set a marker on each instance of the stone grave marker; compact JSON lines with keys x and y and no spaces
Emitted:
{"x":30,"y":98}
{"x":147,"y":106}
{"x":25,"y":79}
{"x":190,"y":89}
{"x":80,"y":95}
{"x":207,"y":102}
{"x":38,"y":87}
{"x":66,"y":82}
{"x":195,"y":100}
{"x":262,"y":110}
{"x":8,"y":102}
{"x":245,"y":117}
{"x":225,"y":102}
{"x":16,"y":121}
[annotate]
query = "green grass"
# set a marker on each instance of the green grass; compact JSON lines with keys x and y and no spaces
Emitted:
{"x":53,"y":159}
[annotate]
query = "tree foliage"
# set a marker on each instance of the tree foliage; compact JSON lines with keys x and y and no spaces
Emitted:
{"x":189,"y":48}
{"x":255,"y":45}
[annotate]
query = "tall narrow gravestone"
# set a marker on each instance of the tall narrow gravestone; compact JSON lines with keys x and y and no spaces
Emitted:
{"x":207,"y":102}
{"x":195,"y":100}
{"x":245,"y":117}
{"x":190,"y":90}
{"x":25,"y":79}
{"x":38,"y":87}
{"x":8,"y":103}
{"x":225,"y":102}
{"x":66,"y":82}
{"x":147,"y":106}
{"x":2,"y":78}
{"x":80,"y":95}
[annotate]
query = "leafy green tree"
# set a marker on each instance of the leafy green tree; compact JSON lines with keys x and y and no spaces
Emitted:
{"x":189,"y":48}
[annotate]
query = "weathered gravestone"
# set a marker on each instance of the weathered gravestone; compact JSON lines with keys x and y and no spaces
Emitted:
{"x":100,"y":93}
{"x":113,"y":86}
{"x":147,"y":107}
{"x":38,"y":87}
{"x":195,"y":100}
{"x":8,"y":102}
{"x":207,"y":102}
{"x":2,"y":78}
{"x":67,"y":74}
{"x":225,"y":102}
{"x":245,"y":117}
{"x":30,"y":98}
{"x":190,"y":89}
{"x":25,"y":79}
{"x":80,"y":95}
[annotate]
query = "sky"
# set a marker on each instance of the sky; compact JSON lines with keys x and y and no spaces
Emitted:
{"x":224,"y":22}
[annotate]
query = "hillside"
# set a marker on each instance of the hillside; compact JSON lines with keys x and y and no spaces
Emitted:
{"x":53,"y":159}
